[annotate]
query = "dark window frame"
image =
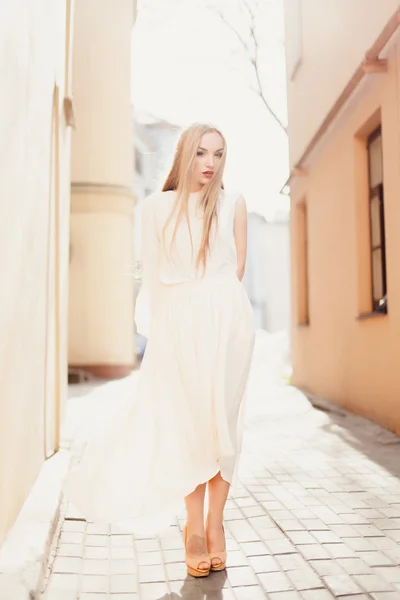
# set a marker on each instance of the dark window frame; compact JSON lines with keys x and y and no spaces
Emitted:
{"x":302,"y":253}
{"x":378,"y":305}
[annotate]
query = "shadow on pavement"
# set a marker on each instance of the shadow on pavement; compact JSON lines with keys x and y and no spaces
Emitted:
{"x":370,"y":439}
{"x":205,"y":588}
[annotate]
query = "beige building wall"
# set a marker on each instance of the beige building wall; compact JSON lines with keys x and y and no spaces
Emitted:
{"x":341,"y":349}
{"x":34,"y":239}
{"x":101,"y":307}
{"x":325,"y":44}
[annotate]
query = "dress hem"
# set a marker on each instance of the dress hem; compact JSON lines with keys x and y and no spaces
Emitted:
{"x":165,"y":520}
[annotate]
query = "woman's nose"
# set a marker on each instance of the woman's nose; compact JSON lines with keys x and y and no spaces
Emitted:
{"x":210,"y":161}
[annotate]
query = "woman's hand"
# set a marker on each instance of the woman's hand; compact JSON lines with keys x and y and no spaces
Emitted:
{"x":240,"y":273}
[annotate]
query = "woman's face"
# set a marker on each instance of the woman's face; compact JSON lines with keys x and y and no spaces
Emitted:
{"x":208,"y":159}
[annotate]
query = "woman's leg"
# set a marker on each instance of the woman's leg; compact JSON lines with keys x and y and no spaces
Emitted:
{"x":196,"y":539}
{"x":218,"y":490}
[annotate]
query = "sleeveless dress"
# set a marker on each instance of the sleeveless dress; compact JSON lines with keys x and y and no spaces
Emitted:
{"x":183,"y":421}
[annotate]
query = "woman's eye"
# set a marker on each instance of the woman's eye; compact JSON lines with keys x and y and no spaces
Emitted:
{"x":218,"y":155}
{"x":199,"y":153}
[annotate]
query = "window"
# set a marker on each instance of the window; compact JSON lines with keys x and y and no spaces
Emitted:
{"x":377,"y":222}
{"x":301,"y":233}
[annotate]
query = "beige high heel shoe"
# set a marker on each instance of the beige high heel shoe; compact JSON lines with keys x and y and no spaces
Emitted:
{"x":221,"y":556}
{"x":193,"y":562}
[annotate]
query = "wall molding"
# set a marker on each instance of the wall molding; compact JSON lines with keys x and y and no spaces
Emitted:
{"x":89,"y":197}
{"x":104,"y":371}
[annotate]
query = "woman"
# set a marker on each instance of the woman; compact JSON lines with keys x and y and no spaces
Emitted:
{"x":182,"y":433}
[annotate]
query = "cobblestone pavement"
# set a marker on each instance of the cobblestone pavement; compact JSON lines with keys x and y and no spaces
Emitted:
{"x":316,"y":516}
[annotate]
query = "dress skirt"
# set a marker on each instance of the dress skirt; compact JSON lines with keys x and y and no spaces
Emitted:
{"x":183,"y":422}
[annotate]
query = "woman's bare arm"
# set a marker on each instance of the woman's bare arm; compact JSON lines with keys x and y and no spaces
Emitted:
{"x":240,"y":233}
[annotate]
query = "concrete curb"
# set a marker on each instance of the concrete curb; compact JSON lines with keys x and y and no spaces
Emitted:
{"x":379,"y":432}
{"x":25,"y":554}
{"x":325,"y":405}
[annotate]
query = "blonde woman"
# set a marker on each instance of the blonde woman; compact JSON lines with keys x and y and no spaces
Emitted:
{"x":182,"y":432}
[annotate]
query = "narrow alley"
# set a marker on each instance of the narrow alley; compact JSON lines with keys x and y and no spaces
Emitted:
{"x":97,"y":112}
{"x":316,"y":515}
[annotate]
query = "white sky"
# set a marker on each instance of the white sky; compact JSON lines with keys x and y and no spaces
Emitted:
{"x":187,"y":67}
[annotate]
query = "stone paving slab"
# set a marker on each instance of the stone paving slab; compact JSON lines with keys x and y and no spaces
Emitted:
{"x":316,"y":516}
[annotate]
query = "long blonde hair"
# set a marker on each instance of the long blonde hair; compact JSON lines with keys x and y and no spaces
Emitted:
{"x":179,"y":179}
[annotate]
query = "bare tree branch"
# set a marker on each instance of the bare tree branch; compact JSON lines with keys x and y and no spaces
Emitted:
{"x":256,"y":66}
{"x":233,"y":29}
{"x":252,"y":53}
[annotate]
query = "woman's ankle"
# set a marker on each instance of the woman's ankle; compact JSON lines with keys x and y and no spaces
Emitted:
{"x":214,"y":521}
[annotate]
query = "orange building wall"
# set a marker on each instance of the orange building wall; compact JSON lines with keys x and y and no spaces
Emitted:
{"x":353,"y":362}
{"x":334,"y":36}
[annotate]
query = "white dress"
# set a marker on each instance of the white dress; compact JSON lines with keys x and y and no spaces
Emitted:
{"x":183,"y":423}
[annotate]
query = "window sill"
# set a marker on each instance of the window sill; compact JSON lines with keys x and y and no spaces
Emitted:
{"x":370,"y":315}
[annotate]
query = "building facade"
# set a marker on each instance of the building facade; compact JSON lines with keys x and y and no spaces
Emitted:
{"x":266,"y":279}
{"x":278,"y":275}
{"x":101,"y":298}
{"x":35,"y":112}
{"x":58,"y":64}
{"x":344,"y":131}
